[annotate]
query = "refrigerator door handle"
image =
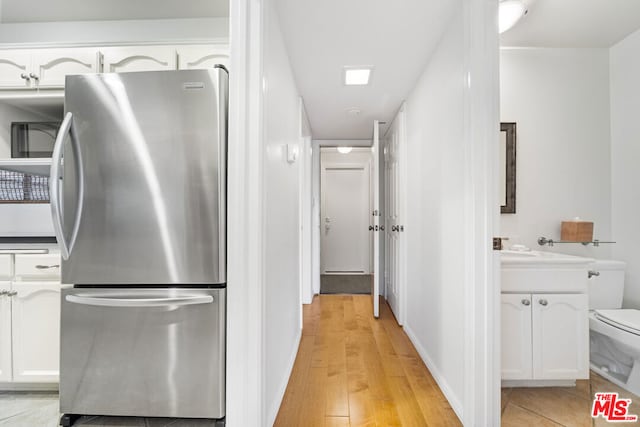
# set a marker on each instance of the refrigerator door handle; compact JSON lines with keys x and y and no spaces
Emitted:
{"x":140,"y":302}
{"x":66,"y":128}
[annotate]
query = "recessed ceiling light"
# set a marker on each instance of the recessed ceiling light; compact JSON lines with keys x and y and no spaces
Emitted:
{"x":344,"y":150}
{"x":510,"y":12}
{"x":357,"y":76}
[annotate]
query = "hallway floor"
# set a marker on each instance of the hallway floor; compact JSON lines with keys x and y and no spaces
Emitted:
{"x":354,"y":370}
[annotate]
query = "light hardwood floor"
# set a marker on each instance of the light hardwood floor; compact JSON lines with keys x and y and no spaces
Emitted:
{"x":354,"y":370}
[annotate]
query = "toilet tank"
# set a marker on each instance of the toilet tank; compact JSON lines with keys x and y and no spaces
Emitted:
{"x":607,"y":288}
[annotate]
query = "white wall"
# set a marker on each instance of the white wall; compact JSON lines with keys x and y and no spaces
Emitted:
{"x":435,"y":237}
{"x":315,"y":216}
{"x":281,"y":224}
{"x":117,"y":32}
{"x":625,"y":161}
{"x":559,"y":99}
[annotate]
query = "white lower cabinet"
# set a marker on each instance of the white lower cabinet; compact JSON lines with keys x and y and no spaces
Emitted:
{"x":35,"y":324}
{"x":5,"y":332}
{"x":545,"y":336}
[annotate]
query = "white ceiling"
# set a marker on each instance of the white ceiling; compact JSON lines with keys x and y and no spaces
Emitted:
{"x":13,"y":11}
{"x":574,"y":23}
{"x":323,"y":36}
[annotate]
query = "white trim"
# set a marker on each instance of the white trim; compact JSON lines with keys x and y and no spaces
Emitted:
{"x":456,"y":405}
{"x":273,"y":411}
{"x":482,"y":278}
{"x":246,"y":272}
{"x":159,"y":42}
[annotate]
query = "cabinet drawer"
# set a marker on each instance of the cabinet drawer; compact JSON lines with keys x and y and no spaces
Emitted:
{"x":37,"y":267}
{"x":5,"y":267}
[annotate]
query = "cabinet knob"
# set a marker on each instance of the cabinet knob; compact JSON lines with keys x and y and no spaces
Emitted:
{"x":25,"y":76}
{"x":34,"y":76}
{"x":382,"y":228}
{"x":12,"y":293}
{"x":526,"y":302}
{"x":3,"y":292}
{"x":543,"y":302}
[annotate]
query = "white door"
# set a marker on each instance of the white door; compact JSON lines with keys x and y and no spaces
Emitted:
{"x":560,"y":336}
{"x":36,"y":331}
{"x":516,"y":336}
{"x":394,"y":227}
{"x":51,"y":66}
{"x":15,"y":66}
{"x":345,"y":221}
{"x":5,"y":332}
{"x":202,"y":57}
{"x":378,"y":234}
{"x":146,"y":58}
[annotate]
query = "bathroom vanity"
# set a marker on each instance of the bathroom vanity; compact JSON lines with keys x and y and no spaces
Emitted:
{"x":545,"y":326}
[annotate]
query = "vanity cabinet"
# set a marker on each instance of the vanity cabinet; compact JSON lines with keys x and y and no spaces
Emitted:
{"x":139,"y":58}
{"x":30,"y":320}
{"x":545,"y":336}
{"x":45,"y":68}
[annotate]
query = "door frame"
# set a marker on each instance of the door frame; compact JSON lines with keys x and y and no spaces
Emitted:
{"x":355,"y":165}
{"x":402,"y":201}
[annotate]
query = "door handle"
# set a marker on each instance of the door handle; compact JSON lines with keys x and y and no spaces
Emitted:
{"x":139,"y":302}
{"x":66,"y":128}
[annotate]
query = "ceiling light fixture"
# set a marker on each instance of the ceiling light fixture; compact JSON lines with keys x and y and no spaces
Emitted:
{"x":509,"y":13}
{"x":344,"y":150}
{"x":358,"y":76}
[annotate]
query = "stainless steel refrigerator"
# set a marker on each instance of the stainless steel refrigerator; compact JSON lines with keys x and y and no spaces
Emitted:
{"x":138,"y":197}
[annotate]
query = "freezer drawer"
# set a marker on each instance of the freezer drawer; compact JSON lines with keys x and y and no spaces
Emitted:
{"x":143,"y":352}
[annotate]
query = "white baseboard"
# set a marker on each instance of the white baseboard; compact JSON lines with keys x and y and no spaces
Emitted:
{"x":29,"y":386}
{"x":537,"y":383}
{"x":273,"y":411}
{"x":435,"y":373}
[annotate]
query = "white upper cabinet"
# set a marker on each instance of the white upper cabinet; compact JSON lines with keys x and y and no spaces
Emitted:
{"x":45,"y":68}
{"x":202,"y":56}
{"x":139,"y":58}
{"x":15,"y":66}
{"x":51,"y":66}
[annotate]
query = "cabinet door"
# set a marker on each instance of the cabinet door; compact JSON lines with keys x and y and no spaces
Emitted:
{"x":36,"y":331}
{"x":51,"y":66}
{"x":5,"y":333}
{"x":13,"y":65}
{"x":560,"y":336}
{"x":202,"y":57}
{"x":516,"y":336}
{"x":146,"y":58}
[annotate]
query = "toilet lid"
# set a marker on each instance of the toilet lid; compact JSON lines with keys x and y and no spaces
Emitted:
{"x":627,"y":319}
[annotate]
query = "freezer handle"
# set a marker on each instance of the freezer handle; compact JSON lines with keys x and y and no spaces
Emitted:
{"x":55,"y":179}
{"x":140,"y":302}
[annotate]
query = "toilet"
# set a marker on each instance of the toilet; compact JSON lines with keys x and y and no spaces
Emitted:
{"x":614,"y":332}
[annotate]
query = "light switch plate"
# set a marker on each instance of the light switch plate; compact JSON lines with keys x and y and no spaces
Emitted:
{"x":292,"y":153}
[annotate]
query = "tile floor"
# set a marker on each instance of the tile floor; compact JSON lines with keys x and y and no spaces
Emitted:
{"x":559,"y":406}
{"x":521,"y":407}
{"x":40,"y":409}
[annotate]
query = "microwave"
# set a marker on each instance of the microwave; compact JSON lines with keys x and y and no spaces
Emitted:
{"x":33,"y":139}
